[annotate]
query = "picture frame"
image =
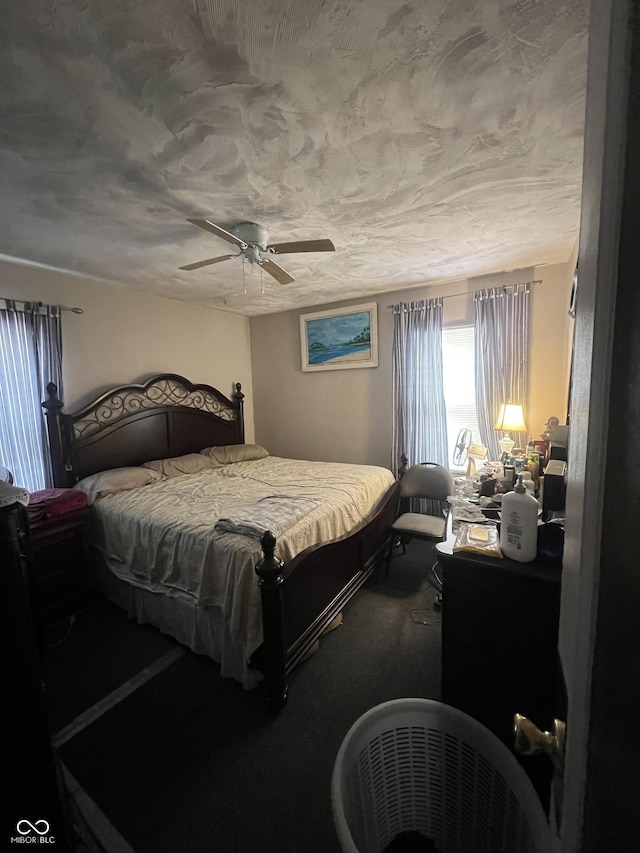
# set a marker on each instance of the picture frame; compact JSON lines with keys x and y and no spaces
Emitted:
{"x":574,"y":294}
{"x":340,"y":338}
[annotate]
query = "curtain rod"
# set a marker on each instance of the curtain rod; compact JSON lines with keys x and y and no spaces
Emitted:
{"x":42,"y":304}
{"x":470,"y":292}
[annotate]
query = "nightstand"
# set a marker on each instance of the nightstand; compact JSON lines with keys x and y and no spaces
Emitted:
{"x":59,"y":573}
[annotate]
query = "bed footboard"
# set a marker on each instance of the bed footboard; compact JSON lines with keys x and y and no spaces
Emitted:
{"x":300,"y":599}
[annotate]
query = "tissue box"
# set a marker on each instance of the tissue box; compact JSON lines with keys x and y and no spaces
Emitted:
{"x":555,"y":486}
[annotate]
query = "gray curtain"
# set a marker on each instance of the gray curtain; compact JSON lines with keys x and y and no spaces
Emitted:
{"x":419,"y":413}
{"x":30,"y":358}
{"x":501,"y":357}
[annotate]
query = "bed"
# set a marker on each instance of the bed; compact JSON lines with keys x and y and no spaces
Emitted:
{"x":239,"y":555}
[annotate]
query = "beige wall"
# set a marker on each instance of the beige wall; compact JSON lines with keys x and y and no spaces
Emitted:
{"x":345,"y":415}
{"x":342,"y":415}
{"x":551,"y":343}
{"x":124,"y":337}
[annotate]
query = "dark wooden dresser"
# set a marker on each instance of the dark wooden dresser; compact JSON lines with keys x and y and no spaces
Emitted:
{"x":29,"y":784}
{"x":499,"y":644}
{"x":59,"y":573}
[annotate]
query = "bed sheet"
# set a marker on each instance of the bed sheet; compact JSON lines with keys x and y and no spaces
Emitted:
{"x":161,"y":537}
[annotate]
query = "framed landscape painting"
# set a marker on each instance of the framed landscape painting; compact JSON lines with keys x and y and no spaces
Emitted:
{"x":340,"y":338}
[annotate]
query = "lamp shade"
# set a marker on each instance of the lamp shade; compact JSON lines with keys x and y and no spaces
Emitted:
{"x":510,"y":418}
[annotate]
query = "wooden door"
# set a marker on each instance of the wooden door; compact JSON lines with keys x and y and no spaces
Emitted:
{"x":599,"y":637}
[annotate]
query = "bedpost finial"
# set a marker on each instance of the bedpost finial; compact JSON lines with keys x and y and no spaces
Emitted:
{"x":269,"y":568}
{"x":53,"y":403}
{"x":268,"y":543}
{"x":404,"y":462}
{"x":238,"y":402}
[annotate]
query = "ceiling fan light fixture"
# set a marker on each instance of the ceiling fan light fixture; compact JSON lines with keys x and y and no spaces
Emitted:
{"x":254,"y":235}
{"x":252,"y":240}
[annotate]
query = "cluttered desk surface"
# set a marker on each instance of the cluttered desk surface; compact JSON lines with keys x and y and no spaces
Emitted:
{"x":469,"y":513}
{"x":541,"y":569}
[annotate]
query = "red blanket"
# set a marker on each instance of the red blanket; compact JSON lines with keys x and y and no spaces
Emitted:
{"x":49,"y":502}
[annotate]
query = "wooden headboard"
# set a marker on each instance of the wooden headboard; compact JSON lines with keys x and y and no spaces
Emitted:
{"x":163,"y":417}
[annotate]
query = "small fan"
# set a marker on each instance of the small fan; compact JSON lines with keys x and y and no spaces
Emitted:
{"x":466,"y":451}
{"x":460,"y":450}
{"x":251,"y":240}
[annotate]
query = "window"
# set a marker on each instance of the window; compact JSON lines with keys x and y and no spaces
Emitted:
{"x":459,"y":385}
{"x":30,"y":357}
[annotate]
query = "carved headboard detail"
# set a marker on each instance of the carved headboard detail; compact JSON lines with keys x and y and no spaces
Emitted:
{"x":165,"y":416}
{"x":163,"y":391}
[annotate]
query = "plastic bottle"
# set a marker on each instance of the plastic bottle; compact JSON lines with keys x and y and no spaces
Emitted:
{"x":519,"y":524}
{"x":527,"y":482}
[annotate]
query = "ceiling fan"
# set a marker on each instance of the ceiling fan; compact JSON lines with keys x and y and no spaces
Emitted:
{"x":251,"y":239}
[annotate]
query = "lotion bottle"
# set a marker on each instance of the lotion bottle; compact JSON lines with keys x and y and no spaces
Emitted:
{"x":519,"y":524}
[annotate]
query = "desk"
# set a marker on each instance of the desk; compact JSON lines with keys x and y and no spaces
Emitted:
{"x":499,"y":643}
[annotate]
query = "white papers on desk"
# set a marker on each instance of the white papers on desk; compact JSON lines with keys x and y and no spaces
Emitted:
{"x":464,"y":511}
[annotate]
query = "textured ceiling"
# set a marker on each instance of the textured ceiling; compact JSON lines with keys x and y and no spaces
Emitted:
{"x":428,"y":139}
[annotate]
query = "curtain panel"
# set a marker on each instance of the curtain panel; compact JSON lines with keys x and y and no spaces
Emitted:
{"x":30,"y":358}
{"x":501,"y":357}
{"x":419,"y":413}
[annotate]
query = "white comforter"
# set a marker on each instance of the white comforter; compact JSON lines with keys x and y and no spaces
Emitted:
{"x":162,"y":538}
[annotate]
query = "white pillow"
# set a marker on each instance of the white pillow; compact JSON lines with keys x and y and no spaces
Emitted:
{"x":225,"y":454}
{"x":190,"y":463}
{"x":116,"y":480}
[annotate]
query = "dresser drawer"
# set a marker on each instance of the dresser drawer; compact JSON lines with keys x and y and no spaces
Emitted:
{"x":61,"y":593}
{"x":59,"y":574}
{"x":54,"y":555}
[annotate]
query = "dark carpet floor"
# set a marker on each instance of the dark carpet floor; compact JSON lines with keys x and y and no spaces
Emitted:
{"x":190,"y":761}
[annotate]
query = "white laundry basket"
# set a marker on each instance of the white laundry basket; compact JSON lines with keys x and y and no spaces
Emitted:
{"x":418,"y":764}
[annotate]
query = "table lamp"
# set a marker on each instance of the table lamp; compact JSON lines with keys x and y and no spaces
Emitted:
{"x":510,"y":419}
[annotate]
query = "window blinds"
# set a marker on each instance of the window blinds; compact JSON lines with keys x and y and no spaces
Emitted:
{"x":459,"y":383}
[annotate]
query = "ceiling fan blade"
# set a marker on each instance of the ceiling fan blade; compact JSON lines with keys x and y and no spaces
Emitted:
{"x":276,"y":271}
{"x":206,"y":263}
{"x":301,"y":246}
{"x":218,"y":231}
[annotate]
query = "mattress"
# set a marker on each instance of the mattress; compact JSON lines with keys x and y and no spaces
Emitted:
{"x":162,"y":537}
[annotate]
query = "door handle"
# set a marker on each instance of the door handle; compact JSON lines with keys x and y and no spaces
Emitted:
{"x":528,"y":739}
